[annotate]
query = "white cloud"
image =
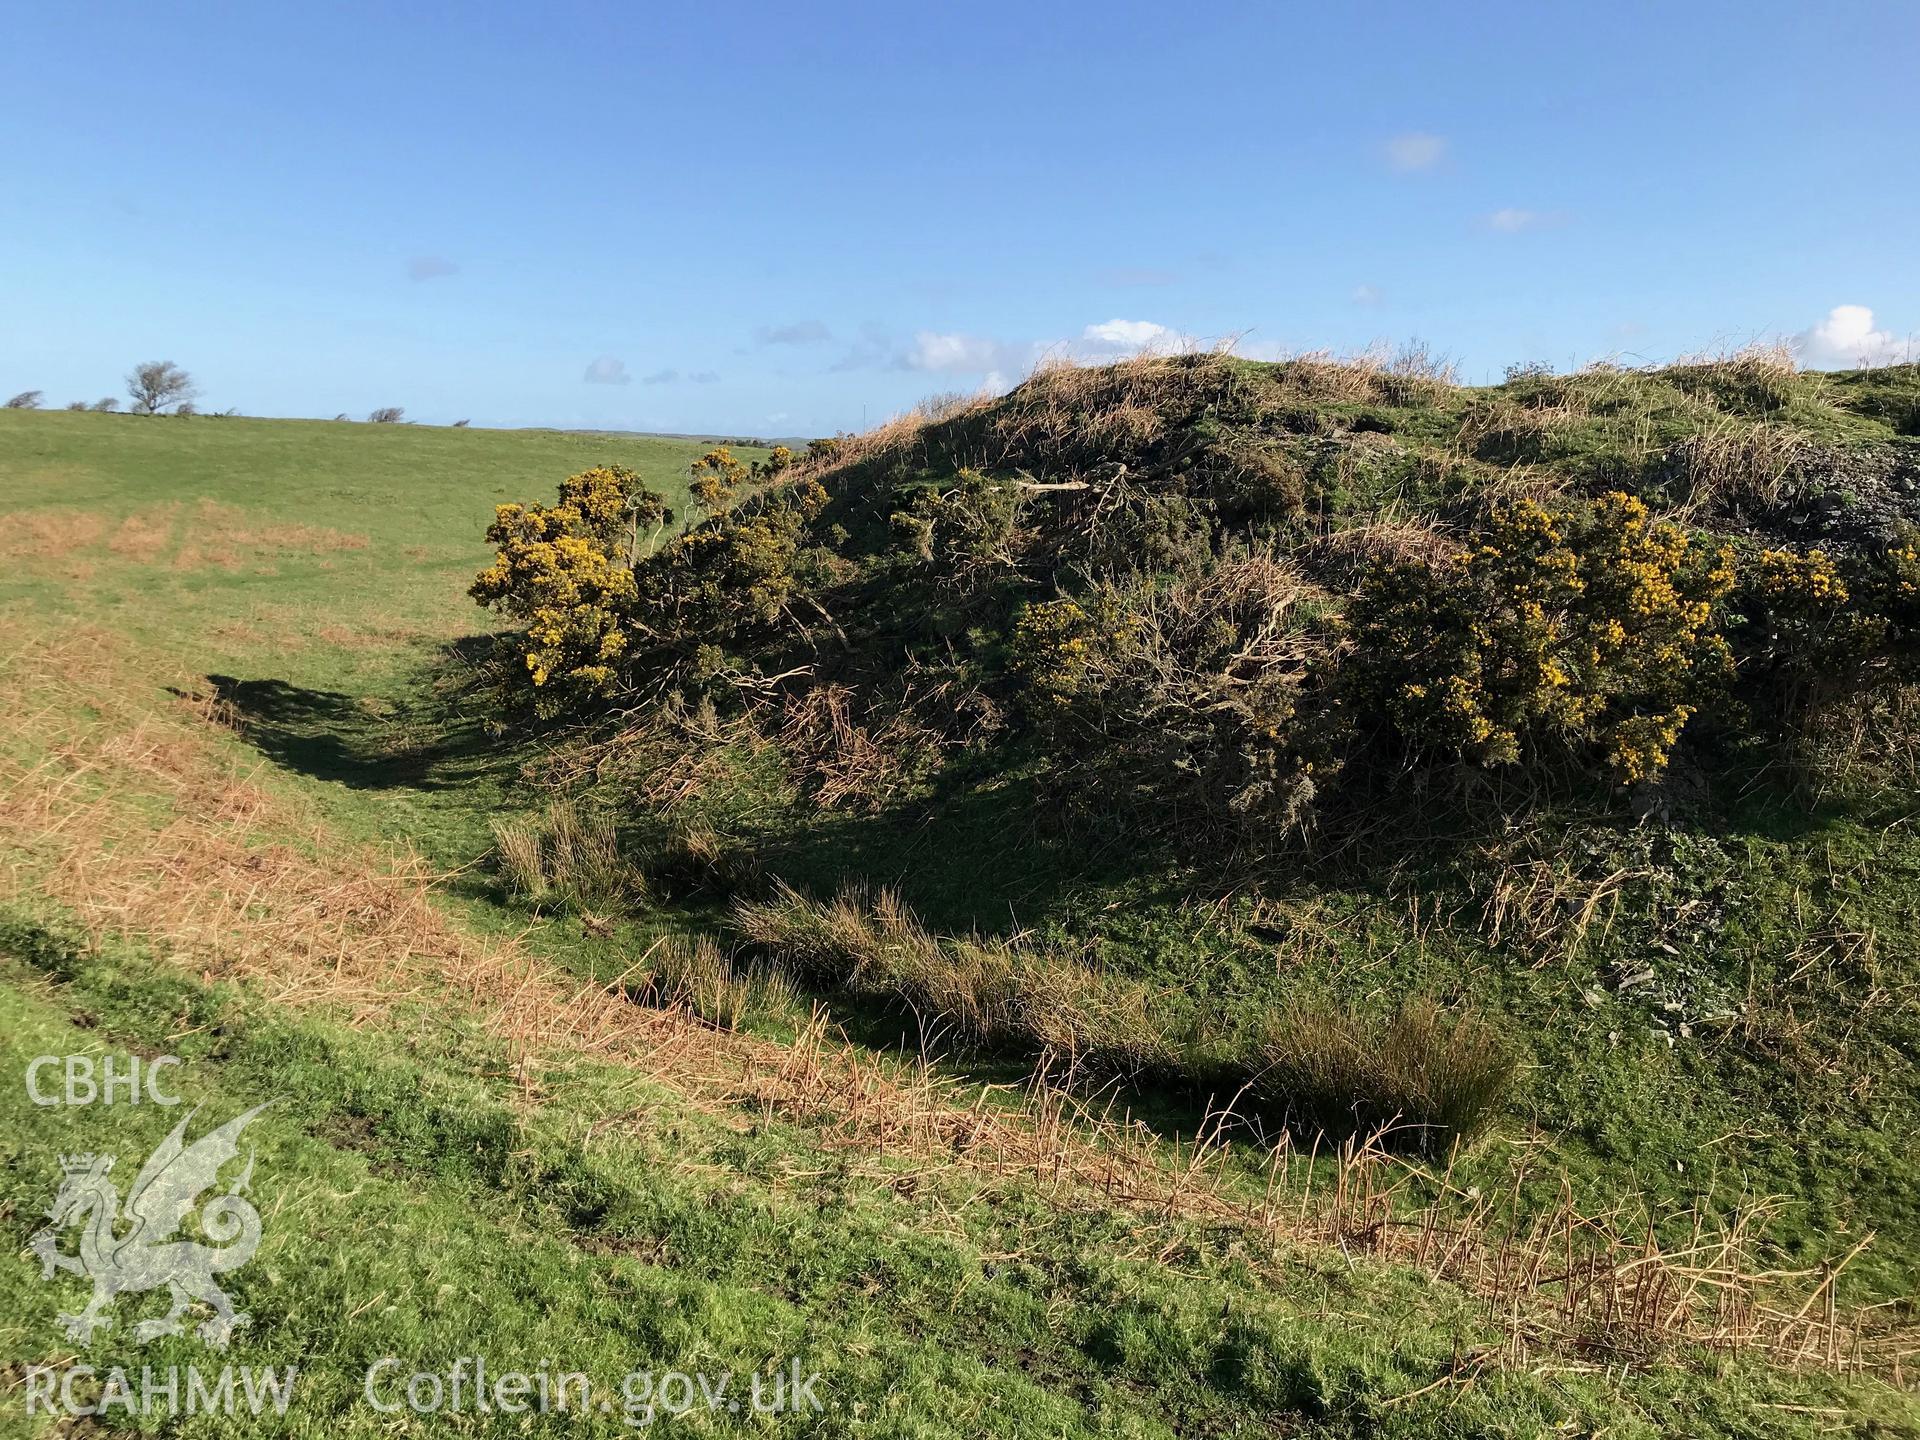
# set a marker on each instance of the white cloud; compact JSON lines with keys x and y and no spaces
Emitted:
{"x":660,"y":377}
{"x":955,"y":354}
{"x":608,"y":371}
{"x":1513,"y":221}
{"x":1113,"y":340}
{"x":1848,"y":339}
{"x":1135,"y":334}
{"x":1366,"y":295}
{"x":1416,"y":150}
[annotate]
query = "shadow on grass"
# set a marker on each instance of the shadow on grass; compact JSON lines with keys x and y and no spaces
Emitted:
{"x":994,"y":857}
{"x":433,"y":743}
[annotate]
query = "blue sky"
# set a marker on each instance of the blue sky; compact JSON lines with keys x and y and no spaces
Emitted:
{"x":790,"y":218}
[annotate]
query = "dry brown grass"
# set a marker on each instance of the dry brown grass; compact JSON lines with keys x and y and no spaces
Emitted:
{"x":1733,"y":463}
{"x":1062,"y":409}
{"x":568,"y":852}
{"x":1499,"y":429}
{"x":1066,"y":415}
{"x":1411,"y":375}
{"x":145,"y":533}
{"x":1411,"y":539}
{"x":1867,"y":746}
{"x":1545,"y":910}
{"x":350,"y":637}
{"x":227,"y":538}
{"x":1605,"y":1285}
{"x":853,"y":760}
{"x":48,"y":535}
{"x":1755,"y":378}
{"x":240,"y":635}
{"x":210,"y":534}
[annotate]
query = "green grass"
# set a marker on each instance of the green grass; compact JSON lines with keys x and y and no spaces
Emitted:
{"x":417,"y":498}
{"x":330,"y":653}
{"x":426,"y":1203}
{"x":420,"y":1209}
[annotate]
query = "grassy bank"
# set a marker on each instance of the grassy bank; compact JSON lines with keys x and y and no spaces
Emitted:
{"x":249,"y":818}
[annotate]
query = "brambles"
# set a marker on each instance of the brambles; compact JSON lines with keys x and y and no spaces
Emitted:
{"x":1566,"y":627}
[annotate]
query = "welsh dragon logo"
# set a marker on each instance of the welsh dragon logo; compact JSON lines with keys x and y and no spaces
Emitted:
{"x":149,"y":1252}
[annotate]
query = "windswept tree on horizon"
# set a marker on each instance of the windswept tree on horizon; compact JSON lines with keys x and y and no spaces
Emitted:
{"x":25,"y":400}
{"x":158,"y":384}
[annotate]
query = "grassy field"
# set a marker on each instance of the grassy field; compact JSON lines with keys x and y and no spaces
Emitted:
{"x":239,"y":537}
{"x":246,"y":809}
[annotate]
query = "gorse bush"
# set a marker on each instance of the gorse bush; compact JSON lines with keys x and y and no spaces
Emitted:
{"x":1592,"y":624}
{"x":958,"y":542}
{"x":1200,"y":593}
{"x":717,"y":480}
{"x":717,"y":588}
{"x":1823,"y":629}
{"x":608,"y":612}
{"x":1180,"y":700}
{"x":564,"y":572}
